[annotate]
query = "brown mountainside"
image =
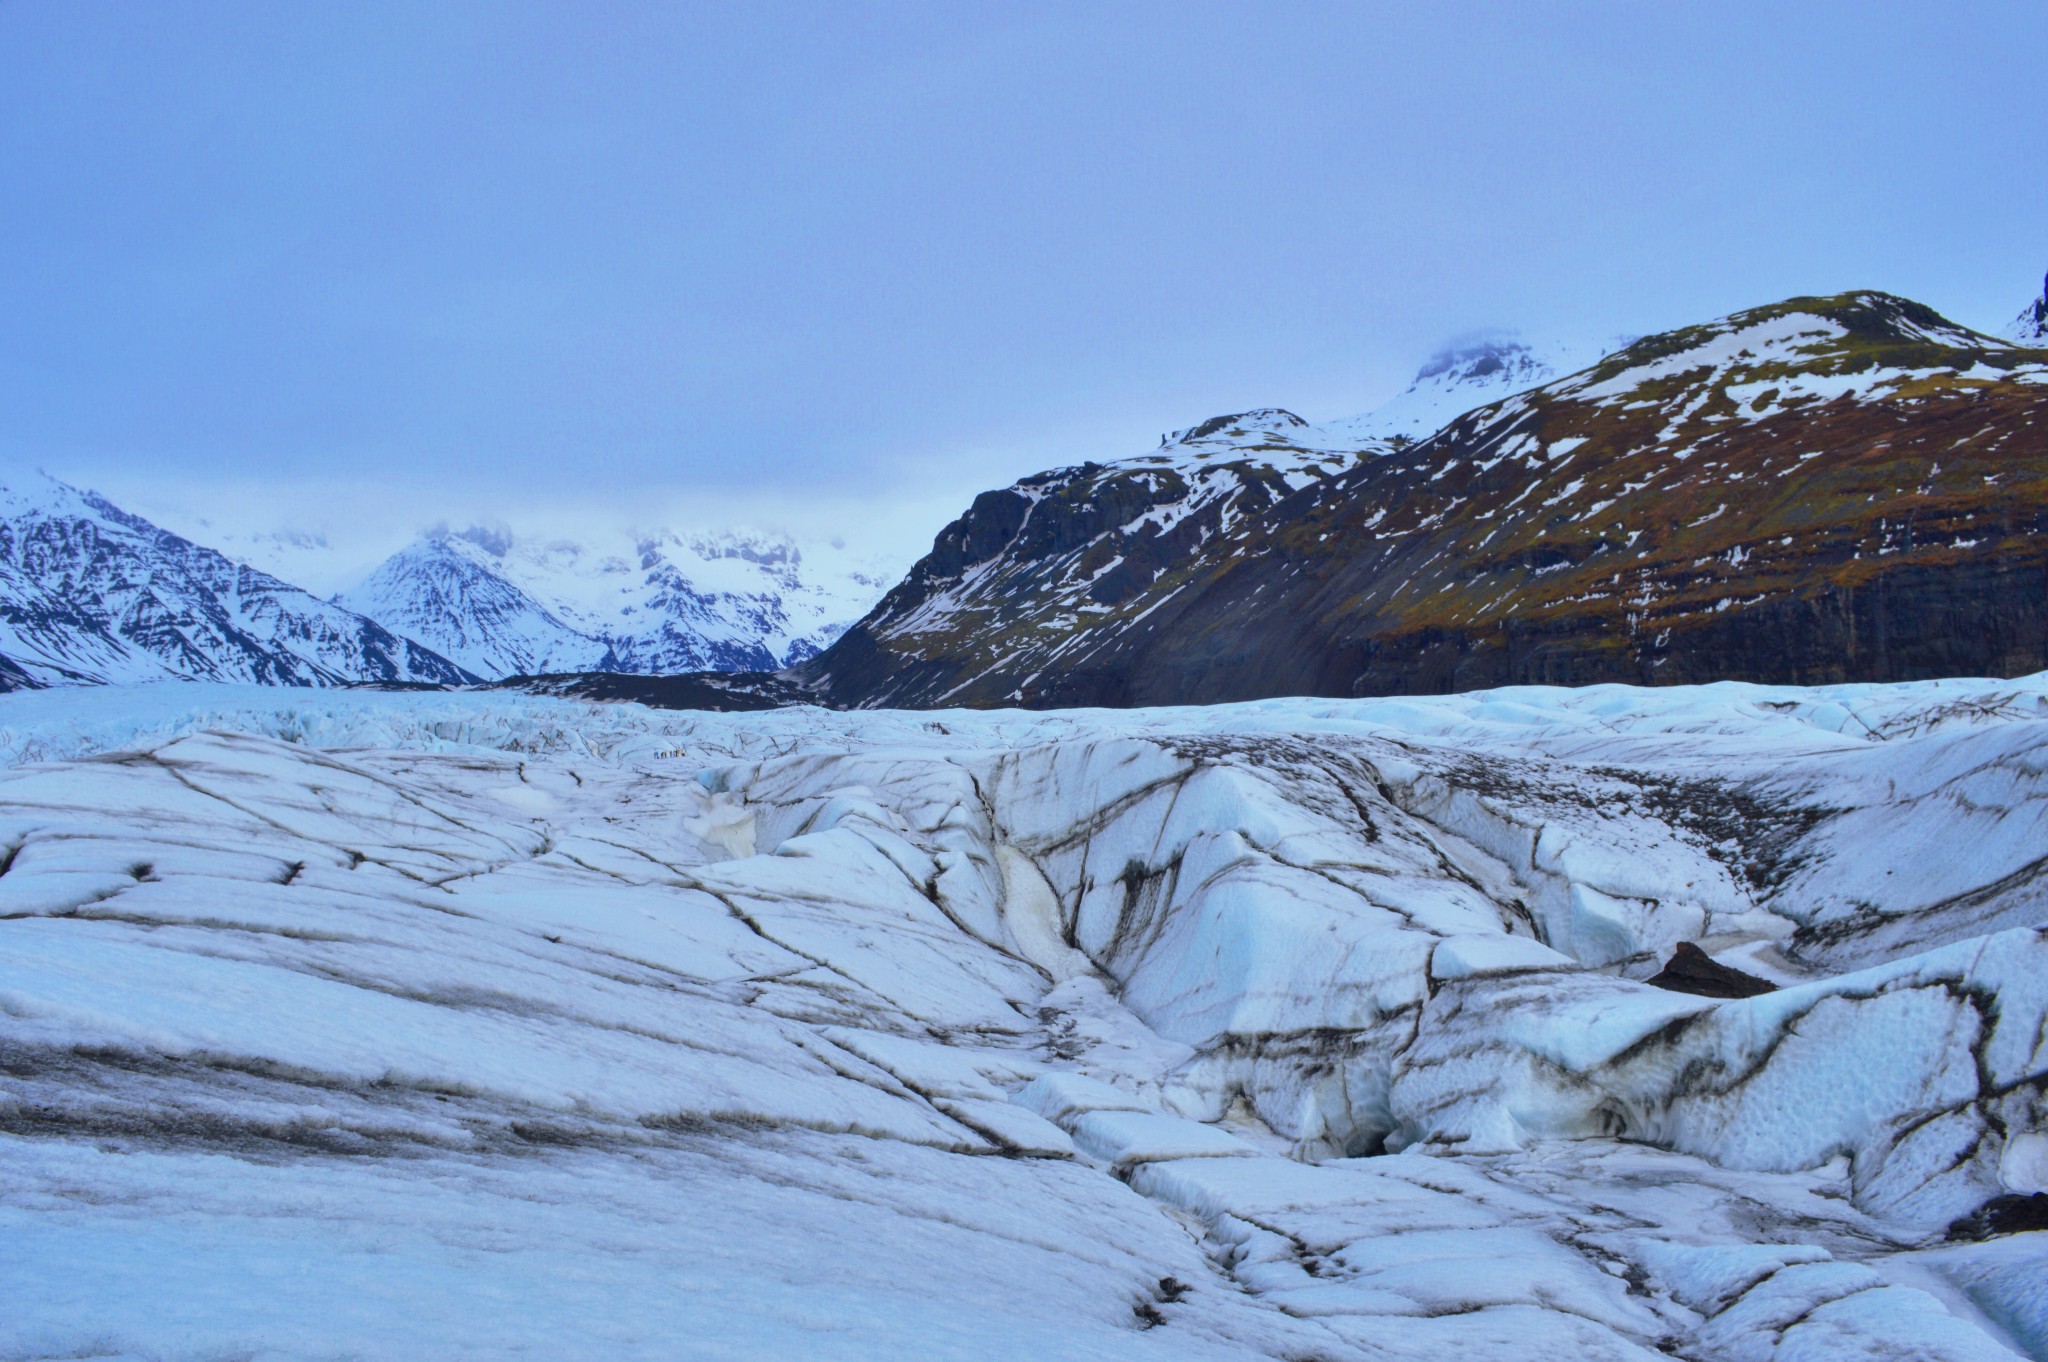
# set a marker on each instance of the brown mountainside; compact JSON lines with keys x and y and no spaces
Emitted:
{"x":1827,"y":489}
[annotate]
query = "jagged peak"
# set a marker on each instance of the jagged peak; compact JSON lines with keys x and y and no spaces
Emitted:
{"x":759,"y":548}
{"x":2031,"y":326}
{"x":1480,"y":356}
{"x":495,"y":540}
{"x":36,"y":492}
{"x":1257,"y":426}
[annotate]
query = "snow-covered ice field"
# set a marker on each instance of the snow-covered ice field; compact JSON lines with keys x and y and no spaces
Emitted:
{"x":354,"y":1025}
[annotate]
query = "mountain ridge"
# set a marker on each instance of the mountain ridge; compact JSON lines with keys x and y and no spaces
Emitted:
{"x":456,"y":602}
{"x":1158,"y":576}
{"x":1829,"y":401}
{"x":92,"y":593}
{"x":651,"y":603}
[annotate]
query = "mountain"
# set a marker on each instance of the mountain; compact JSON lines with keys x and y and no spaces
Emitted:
{"x":90,"y":593}
{"x":449,"y":591}
{"x":1461,"y":376}
{"x":507,"y":605}
{"x":1019,"y":585}
{"x":1840,"y":488}
{"x":306,"y":558}
{"x":2031,"y":326}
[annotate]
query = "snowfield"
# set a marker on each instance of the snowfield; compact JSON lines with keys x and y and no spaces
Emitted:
{"x":349,"y":1024}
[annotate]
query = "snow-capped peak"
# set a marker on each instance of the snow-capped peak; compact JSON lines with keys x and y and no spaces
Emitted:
{"x":92,"y":593}
{"x":1481,"y":361}
{"x":2031,"y":326}
{"x":494,"y":540}
{"x":1469,"y":372}
{"x":447,"y":589}
{"x":729,"y":599}
{"x":39,"y":494}
{"x":1256,"y":429}
{"x":762,"y":550}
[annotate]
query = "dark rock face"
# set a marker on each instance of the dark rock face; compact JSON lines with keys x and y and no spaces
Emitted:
{"x":726,"y":692}
{"x":2003,"y":1215}
{"x":1828,"y":490}
{"x":12,"y":677}
{"x":1692,"y":970}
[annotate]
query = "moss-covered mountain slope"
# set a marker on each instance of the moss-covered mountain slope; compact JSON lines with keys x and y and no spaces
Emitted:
{"x":1826,"y":489}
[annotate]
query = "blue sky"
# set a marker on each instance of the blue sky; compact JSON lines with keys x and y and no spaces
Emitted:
{"x":838,"y":262}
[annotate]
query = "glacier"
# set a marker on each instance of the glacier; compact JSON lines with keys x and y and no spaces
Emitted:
{"x":362,"y":1024}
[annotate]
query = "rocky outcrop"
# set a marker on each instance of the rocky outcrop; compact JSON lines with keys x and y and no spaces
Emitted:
{"x":1692,"y":970}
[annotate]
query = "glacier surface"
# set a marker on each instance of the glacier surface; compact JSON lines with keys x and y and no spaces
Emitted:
{"x":348,"y":1024}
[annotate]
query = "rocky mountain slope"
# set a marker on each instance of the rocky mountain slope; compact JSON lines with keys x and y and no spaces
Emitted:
{"x":510,"y":605}
{"x":1825,"y":489}
{"x":90,"y":593}
{"x":1019,"y":583}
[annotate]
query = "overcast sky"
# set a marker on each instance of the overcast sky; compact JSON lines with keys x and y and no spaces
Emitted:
{"x":396,"y":263}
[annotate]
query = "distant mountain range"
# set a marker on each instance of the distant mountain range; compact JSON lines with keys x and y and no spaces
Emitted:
{"x":90,"y":593}
{"x":1836,"y":488}
{"x":504,"y":605}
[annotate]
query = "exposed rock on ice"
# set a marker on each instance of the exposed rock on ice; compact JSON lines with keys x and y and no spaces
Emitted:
{"x":1692,"y":970}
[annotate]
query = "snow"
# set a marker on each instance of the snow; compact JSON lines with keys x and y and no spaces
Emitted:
{"x":1727,"y":346}
{"x":2031,"y":326}
{"x":477,"y":1024}
{"x":1464,"y":376}
{"x":506,"y":604}
{"x":93,"y":594}
{"x":447,"y":593}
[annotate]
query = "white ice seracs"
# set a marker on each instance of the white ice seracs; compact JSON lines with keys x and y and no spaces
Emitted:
{"x":466,"y":1024}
